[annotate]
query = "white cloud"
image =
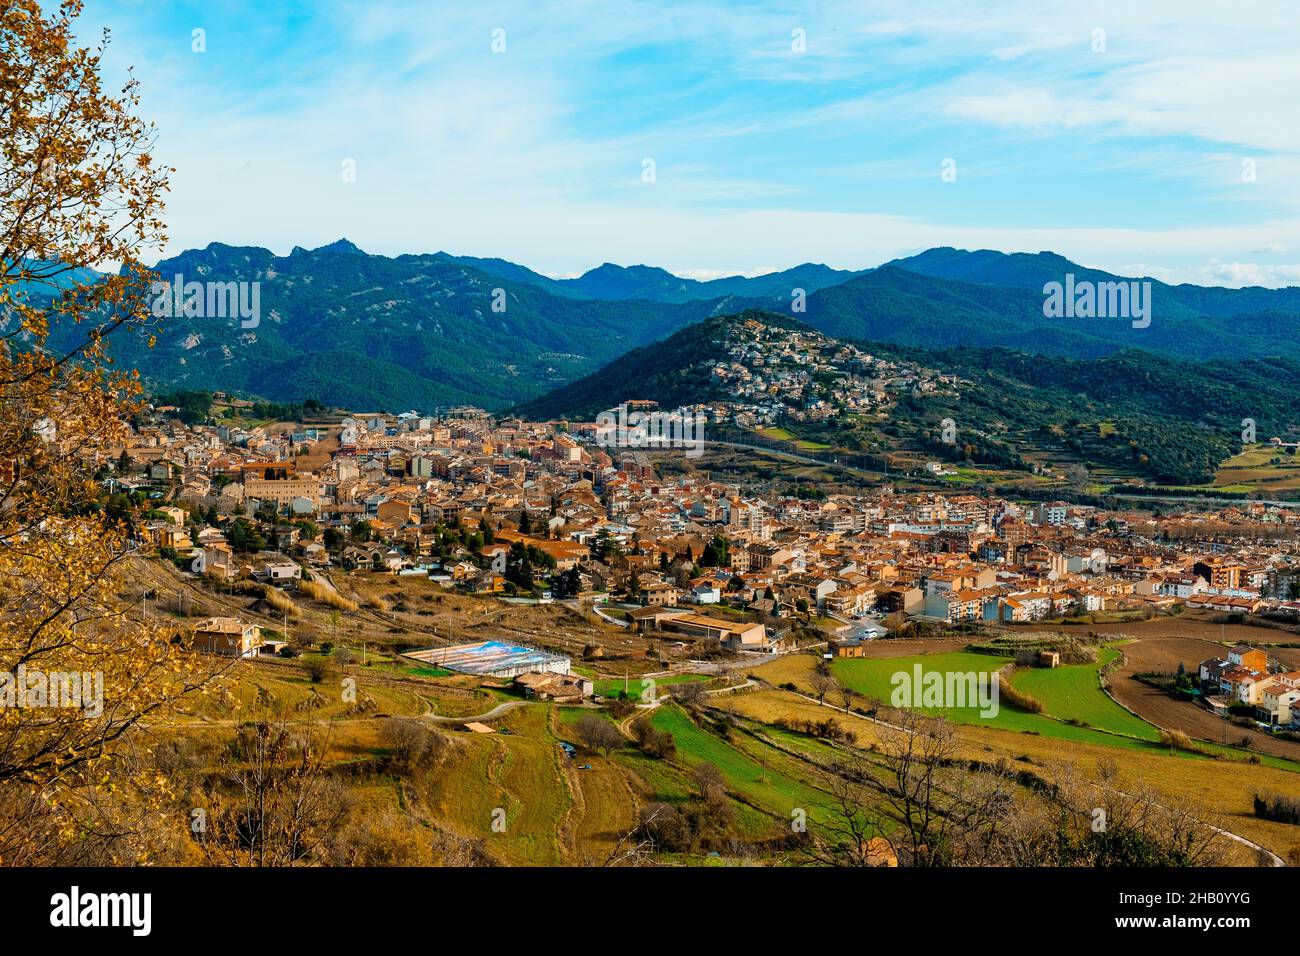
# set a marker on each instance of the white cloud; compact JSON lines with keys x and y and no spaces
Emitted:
{"x":487,"y":154}
{"x":1233,"y":275}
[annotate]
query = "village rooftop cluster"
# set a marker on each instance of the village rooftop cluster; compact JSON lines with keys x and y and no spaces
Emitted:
{"x":554,"y":516}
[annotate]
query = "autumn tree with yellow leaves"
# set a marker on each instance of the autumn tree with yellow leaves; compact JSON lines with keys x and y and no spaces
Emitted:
{"x":81,"y":200}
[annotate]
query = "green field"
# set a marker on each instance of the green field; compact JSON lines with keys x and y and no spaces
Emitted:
{"x":1073,"y":692}
{"x":519,"y":774}
{"x":775,"y":433}
{"x":762,"y":784}
{"x":872,"y":677}
{"x":613,"y":686}
{"x":766,"y":782}
{"x":429,"y":671}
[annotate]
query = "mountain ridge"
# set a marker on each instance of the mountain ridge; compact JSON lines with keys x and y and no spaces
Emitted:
{"x":1156,"y":417}
{"x":432,"y":329}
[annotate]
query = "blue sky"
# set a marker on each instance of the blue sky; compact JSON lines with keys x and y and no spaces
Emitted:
{"x":1122,"y":149}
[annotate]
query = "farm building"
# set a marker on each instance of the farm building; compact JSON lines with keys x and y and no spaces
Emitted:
{"x":559,"y":687}
{"x":848,"y":647}
{"x":733,"y":634}
{"x":493,"y":659}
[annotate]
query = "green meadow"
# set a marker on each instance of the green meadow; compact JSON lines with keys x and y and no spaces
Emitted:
{"x":1070,"y":692}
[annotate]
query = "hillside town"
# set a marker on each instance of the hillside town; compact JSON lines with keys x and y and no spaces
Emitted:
{"x":611,"y":439}
{"x":547,"y":514}
{"x":771,"y":374}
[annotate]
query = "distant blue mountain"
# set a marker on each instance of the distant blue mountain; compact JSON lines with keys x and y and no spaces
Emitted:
{"x":348,"y":327}
{"x":652,"y":284}
{"x":1030,"y":270}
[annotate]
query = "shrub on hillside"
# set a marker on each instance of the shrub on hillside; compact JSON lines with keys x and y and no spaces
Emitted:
{"x":1283,"y":809}
{"x":411,"y":745}
{"x":327,"y":596}
{"x":1018,"y":698}
{"x":597,"y":733}
{"x":654,"y":742}
{"x":1177,"y":740}
{"x":317,"y":668}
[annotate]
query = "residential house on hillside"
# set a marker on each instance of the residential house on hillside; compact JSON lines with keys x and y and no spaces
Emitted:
{"x":1239,"y":675}
{"x":227,"y":636}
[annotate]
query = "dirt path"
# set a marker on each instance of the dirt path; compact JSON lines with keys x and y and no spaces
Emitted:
{"x":603,"y":809}
{"x":495,"y":712}
{"x":1159,"y":646}
{"x":1163,"y":655}
{"x":577,"y":811}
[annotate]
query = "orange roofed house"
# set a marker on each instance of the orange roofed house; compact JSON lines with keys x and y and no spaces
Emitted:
{"x":227,"y":636}
{"x":1239,"y":675}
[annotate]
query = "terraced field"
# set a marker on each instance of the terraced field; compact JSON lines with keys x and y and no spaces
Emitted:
{"x":517,"y":773}
{"x":1075,"y":708}
{"x":1259,"y":468}
{"x":764,"y":780}
{"x":604,"y":811}
{"x":246,"y":688}
{"x":1224,"y":787}
{"x":648,"y":780}
{"x":556,"y":813}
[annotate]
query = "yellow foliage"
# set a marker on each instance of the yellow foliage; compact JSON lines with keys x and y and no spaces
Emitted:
{"x":78,"y":191}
